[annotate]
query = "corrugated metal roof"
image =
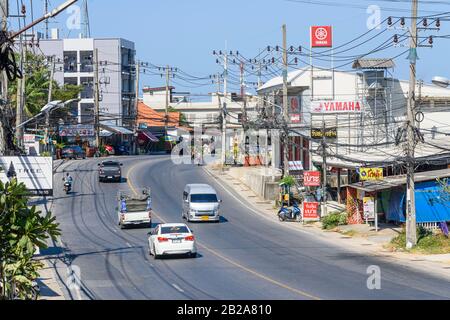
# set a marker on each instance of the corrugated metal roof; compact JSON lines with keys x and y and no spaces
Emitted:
{"x":373,"y":64}
{"x":397,"y":181}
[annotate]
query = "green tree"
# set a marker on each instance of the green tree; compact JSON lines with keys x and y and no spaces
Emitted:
{"x":22,"y":229}
{"x":37,"y":80}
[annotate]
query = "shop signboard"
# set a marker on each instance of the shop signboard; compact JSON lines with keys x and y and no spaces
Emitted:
{"x":79,"y":130}
{"x":336,"y":106}
{"x":371,"y":174}
{"x":321,"y":36}
{"x":35,"y":172}
{"x":311,"y":179}
{"x":319,"y":133}
{"x":369,"y":208}
{"x":311,"y":211}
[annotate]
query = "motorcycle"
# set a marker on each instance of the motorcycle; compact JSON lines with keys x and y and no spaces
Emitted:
{"x":290,"y":215}
{"x":67,"y":187}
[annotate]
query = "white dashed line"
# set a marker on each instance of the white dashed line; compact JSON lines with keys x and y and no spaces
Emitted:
{"x":177,"y":287}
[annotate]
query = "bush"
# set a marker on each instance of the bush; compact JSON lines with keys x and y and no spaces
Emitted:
{"x":289,"y":181}
{"x":427,"y":242}
{"x":334,"y":220}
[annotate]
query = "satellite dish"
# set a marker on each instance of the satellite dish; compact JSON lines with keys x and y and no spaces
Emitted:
{"x":441,"y":82}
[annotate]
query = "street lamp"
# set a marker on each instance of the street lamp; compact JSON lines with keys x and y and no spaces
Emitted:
{"x":441,"y":82}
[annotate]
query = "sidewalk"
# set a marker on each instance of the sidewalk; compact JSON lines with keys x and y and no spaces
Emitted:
{"x":363,"y":239}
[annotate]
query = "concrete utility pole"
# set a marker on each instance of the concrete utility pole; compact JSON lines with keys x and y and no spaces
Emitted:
{"x":49,"y":99}
{"x":46,"y":21}
{"x":224,"y":108}
{"x":325,"y":178}
{"x":285,"y":104}
{"x":411,"y":226}
{"x":136,"y":106}
{"x":97,"y":99}
{"x":4,"y":11}
{"x":166,"y":121}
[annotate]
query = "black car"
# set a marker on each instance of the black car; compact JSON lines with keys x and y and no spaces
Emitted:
{"x":110,"y":171}
{"x":73,"y":152}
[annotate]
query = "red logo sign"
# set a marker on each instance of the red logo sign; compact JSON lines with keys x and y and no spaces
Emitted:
{"x":321,"y":36}
{"x":311,"y":179}
{"x":311,"y":210}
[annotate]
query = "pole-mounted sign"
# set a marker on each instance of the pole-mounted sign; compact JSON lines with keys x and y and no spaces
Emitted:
{"x":321,"y":36}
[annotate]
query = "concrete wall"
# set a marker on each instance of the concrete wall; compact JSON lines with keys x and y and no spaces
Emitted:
{"x":259,"y":180}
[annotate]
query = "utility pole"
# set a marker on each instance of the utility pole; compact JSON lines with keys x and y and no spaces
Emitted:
{"x":49,"y":99}
{"x":224,"y":108}
{"x":166,"y":122}
{"x":136,"y":106}
{"x":21,"y":95}
{"x":411,"y":226}
{"x":97,"y":99}
{"x":285,"y":104}
{"x":46,"y":21}
{"x":325,"y":178}
{"x":4,"y":11}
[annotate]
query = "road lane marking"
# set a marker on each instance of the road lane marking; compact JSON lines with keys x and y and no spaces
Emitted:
{"x":128,"y":245}
{"x":255,"y":273}
{"x":177,"y":287}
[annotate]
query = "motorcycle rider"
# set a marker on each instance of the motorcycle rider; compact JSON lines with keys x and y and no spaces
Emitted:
{"x":68,"y":179}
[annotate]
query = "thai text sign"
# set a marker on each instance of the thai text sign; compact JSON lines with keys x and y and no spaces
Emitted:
{"x":369,"y":208}
{"x":310,"y":210}
{"x":77,"y":131}
{"x":330,"y":133}
{"x":311,"y":179}
{"x":321,"y":36}
{"x":370,"y":174}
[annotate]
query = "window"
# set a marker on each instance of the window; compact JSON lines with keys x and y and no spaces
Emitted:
{"x":87,"y":61}
{"x":175,"y":229}
{"x":70,"y":61}
{"x":203,"y":198}
{"x":88,"y":88}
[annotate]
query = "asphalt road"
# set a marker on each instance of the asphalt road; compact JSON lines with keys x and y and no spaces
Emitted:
{"x":243,"y":257}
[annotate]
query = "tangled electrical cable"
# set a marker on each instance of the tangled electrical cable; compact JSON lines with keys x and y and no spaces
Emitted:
{"x":8,"y":59}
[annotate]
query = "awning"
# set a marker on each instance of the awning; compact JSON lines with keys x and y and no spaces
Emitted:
{"x":150,"y":136}
{"x":116,"y":129}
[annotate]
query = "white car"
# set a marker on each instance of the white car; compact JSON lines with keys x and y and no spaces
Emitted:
{"x":172,"y":238}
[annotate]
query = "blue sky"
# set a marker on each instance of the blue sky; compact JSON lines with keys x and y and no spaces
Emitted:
{"x":183,"y":33}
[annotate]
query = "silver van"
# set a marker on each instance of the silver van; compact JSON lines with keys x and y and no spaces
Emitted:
{"x":200,"y":203}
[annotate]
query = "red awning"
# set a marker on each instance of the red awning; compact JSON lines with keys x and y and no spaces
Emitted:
{"x":147,"y":135}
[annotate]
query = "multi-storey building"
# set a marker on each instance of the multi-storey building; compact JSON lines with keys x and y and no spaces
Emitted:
{"x":75,"y":65}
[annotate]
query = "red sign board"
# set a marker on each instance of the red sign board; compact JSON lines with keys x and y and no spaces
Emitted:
{"x":321,"y":36}
{"x":311,"y":210}
{"x":311,"y":179}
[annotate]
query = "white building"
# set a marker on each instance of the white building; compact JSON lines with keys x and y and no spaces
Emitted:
{"x":196,"y":113}
{"x":75,"y":65}
{"x":366,"y":107}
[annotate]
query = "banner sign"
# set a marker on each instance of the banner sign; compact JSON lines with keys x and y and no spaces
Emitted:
{"x":78,"y":130}
{"x":321,"y":36}
{"x":369,"y":208}
{"x":31,"y":144}
{"x":311,"y":179}
{"x":296,"y":118}
{"x":35,"y":172}
{"x":336,"y":107}
{"x":370,"y":174}
{"x":330,"y":133}
{"x":311,"y":211}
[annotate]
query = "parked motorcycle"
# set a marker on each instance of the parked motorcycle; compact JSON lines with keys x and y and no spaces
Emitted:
{"x":290,"y":215}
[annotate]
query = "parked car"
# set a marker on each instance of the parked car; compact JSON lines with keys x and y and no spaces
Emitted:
{"x":172,"y":239}
{"x":110,"y":171}
{"x":110,"y":150}
{"x":73,"y":152}
{"x":200,"y":203}
{"x":123,"y":150}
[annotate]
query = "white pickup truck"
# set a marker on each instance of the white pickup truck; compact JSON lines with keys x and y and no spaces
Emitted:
{"x":134,"y":210}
